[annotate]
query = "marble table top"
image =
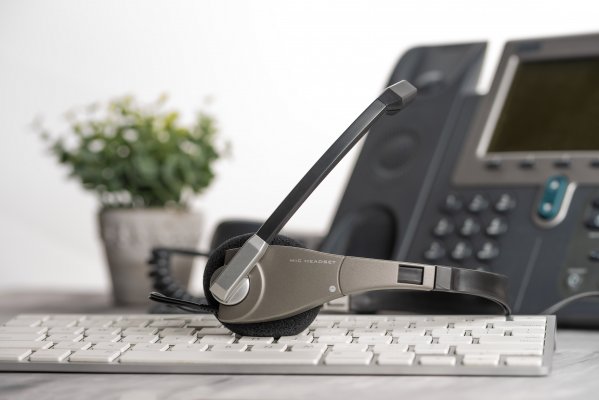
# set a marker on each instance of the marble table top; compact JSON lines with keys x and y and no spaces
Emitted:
{"x":575,"y":373}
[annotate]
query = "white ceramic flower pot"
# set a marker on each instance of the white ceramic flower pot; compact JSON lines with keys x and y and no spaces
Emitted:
{"x":130,"y":234}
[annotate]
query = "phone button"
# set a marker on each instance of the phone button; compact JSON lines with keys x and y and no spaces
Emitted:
{"x":594,"y":255}
{"x":497,"y":226}
{"x":527,"y":163}
{"x":563,"y":163}
{"x":593,"y":222}
{"x":552,"y":198}
{"x":435,"y":252}
{"x":505,"y":203}
{"x":452,"y":204}
{"x":478,"y":203}
{"x":493,"y":163}
{"x":443,"y":227}
{"x":488,"y":251}
{"x":469,"y":227}
{"x":461,"y":251}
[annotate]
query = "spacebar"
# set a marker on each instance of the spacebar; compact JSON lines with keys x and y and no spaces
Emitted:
{"x":201,"y":357}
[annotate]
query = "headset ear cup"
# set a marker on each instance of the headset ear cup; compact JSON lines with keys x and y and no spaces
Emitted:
{"x":284,"y":327}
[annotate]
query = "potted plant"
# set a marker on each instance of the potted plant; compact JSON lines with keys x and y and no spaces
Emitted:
{"x":145,"y":166}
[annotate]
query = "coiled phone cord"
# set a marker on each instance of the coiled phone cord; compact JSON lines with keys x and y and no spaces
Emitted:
{"x":168,"y":290}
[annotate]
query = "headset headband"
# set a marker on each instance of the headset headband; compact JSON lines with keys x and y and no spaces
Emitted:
{"x":325,"y":277}
{"x":231,"y":286}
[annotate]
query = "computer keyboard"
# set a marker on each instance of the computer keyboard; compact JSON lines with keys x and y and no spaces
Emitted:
{"x":334,"y":344}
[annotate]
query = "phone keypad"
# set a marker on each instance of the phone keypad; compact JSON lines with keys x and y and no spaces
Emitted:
{"x":468,"y":228}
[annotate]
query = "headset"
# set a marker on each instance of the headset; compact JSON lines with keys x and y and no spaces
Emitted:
{"x":266,"y":284}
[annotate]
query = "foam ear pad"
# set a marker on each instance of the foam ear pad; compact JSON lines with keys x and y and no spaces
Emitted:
{"x":289,"y":326}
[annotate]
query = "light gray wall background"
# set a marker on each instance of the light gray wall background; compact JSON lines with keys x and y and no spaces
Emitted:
{"x":285,"y":78}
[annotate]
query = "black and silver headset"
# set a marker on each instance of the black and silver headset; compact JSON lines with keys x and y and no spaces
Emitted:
{"x":266,"y":284}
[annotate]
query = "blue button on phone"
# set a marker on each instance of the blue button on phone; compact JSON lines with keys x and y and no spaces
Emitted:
{"x":553,"y":196}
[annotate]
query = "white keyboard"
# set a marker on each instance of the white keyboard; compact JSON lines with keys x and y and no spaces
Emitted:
{"x":334,"y":344}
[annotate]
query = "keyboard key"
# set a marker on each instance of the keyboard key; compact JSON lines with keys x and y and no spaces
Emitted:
{"x":477,"y":332}
{"x":214,"y":339}
{"x":369,"y":332}
{"x":387,"y":325}
{"x":72,"y":345}
{"x":398,"y":320}
{"x":102,"y":338}
{"x":22,"y":336}
{"x":447,"y":332}
{"x":131,"y":323}
{"x":14,"y":354}
{"x":529,"y":318}
{"x":67,"y":317}
{"x":528,"y":331}
{"x":514,"y":324}
{"x":24,"y":322}
{"x":454,"y":339}
{"x":65,"y":338}
{"x":204,"y":324}
{"x":118,"y":346}
{"x":295,"y":339}
{"x":408,"y":332}
{"x":99,"y":356}
{"x":52,"y":355}
{"x":354,"y":324}
{"x":42,"y":317}
{"x":168,"y":323}
{"x":103,"y":318}
{"x":524,"y":361}
{"x":75,"y":330}
{"x":396,"y":358}
{"x":37,"y":330}
{"x":503,"y":348}
{"x":229,"y":347}
{"x":350,"y":347}
{"x":440,"y":324}
{"x":410,"y":339}
{"x":138,"y":331}
{"x":25,"y":344}
{"x":269,"y":347}
{"x":223,"y":358}
{"x":59,"y":323}
{"x":332,"y":339}
{"x":189,"y":347}
{"x":105,"y":331}
{"x":176,"y":339}
{"x":431,"y":348}
{"x":309,"y":347}
{"x":375,"y":339}
{"x":480,"y":359}
{"x":437,"y":360}
{"x":255,"y":340}
{"x":214,"y":331}
{"x":134,"y":339}
{"x":153,"y":346}
{"x":174,"y":331}
{"x":329,"y":332}
{"x":510,"y":339}
{"x":477,"y":324}
{"x":348,"y":358}
{"x":390,"y":348}
{"x":95,"y":323}
{"x":321,"y":324}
